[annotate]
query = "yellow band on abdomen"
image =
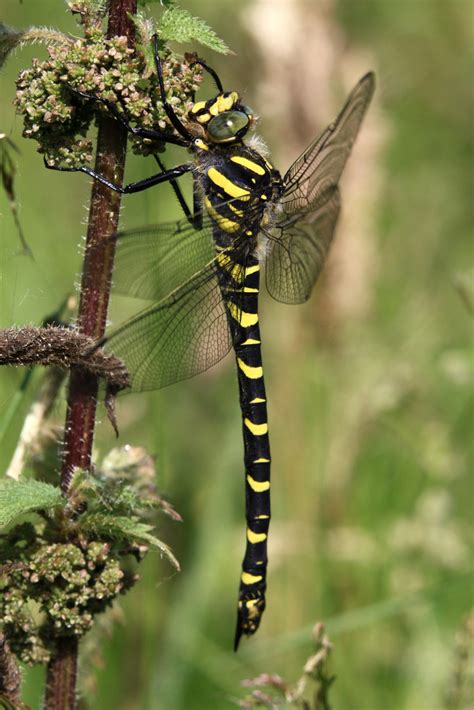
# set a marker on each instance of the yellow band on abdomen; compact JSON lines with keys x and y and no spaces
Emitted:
{"x":242,"y":317}
{"x":258,"y":486}
{"x":253,"y":373}
{"x":256,"y":429}
{"x":254,"y":538}
{"x":248,"y":578}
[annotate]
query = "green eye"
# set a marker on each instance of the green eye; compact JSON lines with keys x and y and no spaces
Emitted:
{"x":227,"y":125}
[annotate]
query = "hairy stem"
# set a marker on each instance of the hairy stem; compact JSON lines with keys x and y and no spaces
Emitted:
{"x":94,"y":297}
{"x":61,"y":676}
{"x":97,"y":269}
{"x":10,"y":678}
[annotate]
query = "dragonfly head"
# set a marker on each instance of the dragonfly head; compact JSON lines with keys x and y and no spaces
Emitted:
{"x":223,"y":119}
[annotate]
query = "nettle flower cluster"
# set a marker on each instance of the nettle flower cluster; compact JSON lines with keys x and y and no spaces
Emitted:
{"x":58,"y":117}
{"x":74,"y":556}
{"x":56,"y":589}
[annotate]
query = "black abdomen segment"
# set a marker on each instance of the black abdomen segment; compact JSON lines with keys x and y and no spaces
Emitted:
{"x":246,"y":336}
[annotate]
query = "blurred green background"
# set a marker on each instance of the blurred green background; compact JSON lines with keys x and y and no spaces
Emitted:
{"x":369,"y":384}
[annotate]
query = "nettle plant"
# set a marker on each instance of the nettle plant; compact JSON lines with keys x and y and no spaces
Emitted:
{"x":65,"y":559}
{"x":68,"y":550}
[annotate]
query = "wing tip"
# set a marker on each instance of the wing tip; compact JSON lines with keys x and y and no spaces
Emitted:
{"x":369,"y":80}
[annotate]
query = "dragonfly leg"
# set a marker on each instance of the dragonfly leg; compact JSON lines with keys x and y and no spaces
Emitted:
{"x":132,"y":187}
{"x":194,"y":217}
{"x":167,"y":106}
{"x":210,"y":71}
{"x":125,"y":120}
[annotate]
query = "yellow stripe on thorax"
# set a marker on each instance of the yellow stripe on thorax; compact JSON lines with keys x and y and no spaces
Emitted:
{"x":251,"y":341}
{"x":225,"y":224}
{"x":249,"y":164}
{"x":227,"y":185}
{"x":235,"y":210}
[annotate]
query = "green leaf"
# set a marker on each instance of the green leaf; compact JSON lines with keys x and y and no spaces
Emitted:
{"x":179,"y":25}
{"x":21,"y":497}
{"x":127,"y":529}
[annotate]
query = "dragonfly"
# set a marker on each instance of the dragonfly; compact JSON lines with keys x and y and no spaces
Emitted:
{"x":202,"y":273}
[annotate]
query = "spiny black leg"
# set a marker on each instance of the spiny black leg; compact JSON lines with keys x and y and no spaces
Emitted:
{"x":210,"y":71}
{"x":133,"y":186}
{"x":167,"y":107}
{"x":194,"y":218}
{"x":124,"y":119}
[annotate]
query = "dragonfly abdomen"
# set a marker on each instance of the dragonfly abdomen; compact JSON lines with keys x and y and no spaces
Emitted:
{"x":244,"y":326}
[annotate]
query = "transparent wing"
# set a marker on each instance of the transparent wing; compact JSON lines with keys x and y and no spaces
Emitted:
{"x":183,"y":334}
{"x":317,"y":171}
{"x":154,"y":260}
{"x":297,"y":253}
{"x":301,"y":238}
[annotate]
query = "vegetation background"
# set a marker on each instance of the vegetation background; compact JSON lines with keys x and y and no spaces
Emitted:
{"x":369,"y":383}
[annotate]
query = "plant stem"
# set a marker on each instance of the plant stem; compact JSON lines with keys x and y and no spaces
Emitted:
{"x":10,"y":678}
{"x":61,"y":676}
{"x":104,"y":215}
{"x":97,"y":269}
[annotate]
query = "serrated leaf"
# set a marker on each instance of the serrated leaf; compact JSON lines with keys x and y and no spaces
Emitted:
{"x":122,"y":528}
{"x":180,"y":26}
{"x":22,"y":497}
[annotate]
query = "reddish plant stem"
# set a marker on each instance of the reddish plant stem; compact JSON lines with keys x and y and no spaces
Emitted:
{"x":10,"y":677}
{"x":104,"y":215}
{"x":61,"y":676}
{"x":97,"y":269}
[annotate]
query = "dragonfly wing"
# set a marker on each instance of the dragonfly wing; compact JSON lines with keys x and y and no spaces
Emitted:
{"x":184,"y":334}
{"x":317,"y":171}
{"x":301,"y":239}
{"x":152,"y":261}
{"x":297,"y":253}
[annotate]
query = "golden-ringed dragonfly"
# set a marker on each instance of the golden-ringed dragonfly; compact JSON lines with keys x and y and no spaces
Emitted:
{"x":203,"y":273}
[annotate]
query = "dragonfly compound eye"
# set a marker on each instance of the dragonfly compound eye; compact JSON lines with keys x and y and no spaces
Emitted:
{"x":228,"y":126}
